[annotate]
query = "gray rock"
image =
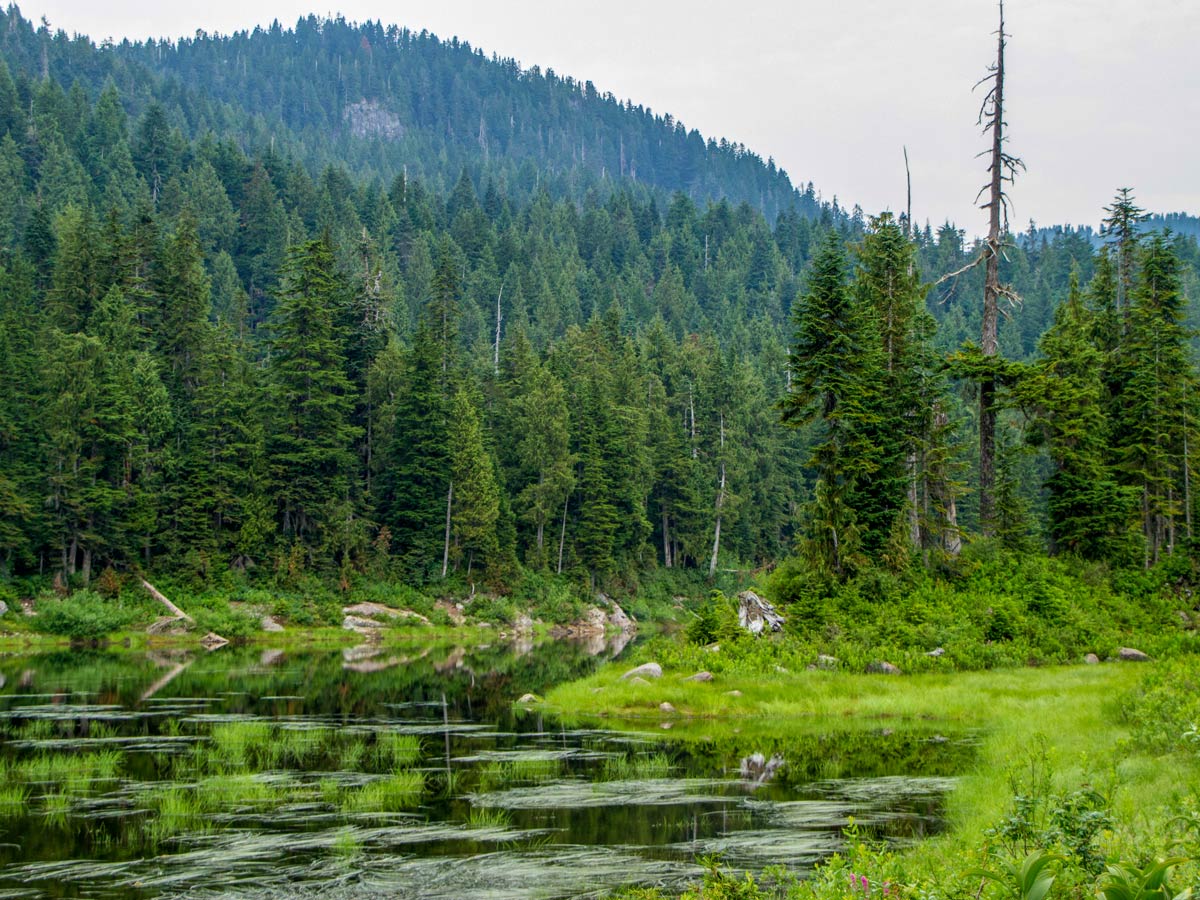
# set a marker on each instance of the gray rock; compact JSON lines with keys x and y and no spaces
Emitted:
{"x":936,"y":652}
{"x":213,"y":641}
{"x":3,"y":608}
{"x":1128,"y":654}
{"x":666,"y":707}
{"x":620,"y":621}
{"x":528,"y":698}
{"x":700,"y":676}
{"x":1092,"y":659}
{"x":269,"y":624}
{"x":781,"y":670}
{"x":645,"y":670}
{"x":523,"y":624}
{"x":826,"y":662}
{"x":638,"y":680}
{"x":167,"y":625}
{"x":359,"y":624}
{"x":733,"y":693}
{"x":879,"y":667}
{"x":757,"y":615}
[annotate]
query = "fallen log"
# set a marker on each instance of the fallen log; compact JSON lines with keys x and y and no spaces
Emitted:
{"x":157,"y":595}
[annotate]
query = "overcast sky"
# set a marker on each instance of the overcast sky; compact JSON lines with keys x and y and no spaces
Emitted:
{"x":1101,"y":93}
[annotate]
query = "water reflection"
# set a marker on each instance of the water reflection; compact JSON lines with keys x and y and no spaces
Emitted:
{"x":361,"y":771}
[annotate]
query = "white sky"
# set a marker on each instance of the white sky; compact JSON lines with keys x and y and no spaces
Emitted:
{"x":1101,"y":93}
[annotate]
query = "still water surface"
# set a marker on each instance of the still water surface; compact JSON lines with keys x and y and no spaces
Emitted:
{"x":407,"y":773}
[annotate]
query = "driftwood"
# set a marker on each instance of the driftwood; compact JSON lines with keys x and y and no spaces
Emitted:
{"x":756,"y":614}
{"x":157,"y":595}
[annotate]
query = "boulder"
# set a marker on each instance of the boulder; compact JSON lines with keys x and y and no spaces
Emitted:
{"x":378,"y":609}
{"x":827,"y":662}
{"x":936,"y":652}
{"x":3,"y":608}
{"x":361,"y":625}
{"x":213,"y":641}
{"x":1092,"y":659}
{"x":523,"y":624}
{"x":879,"y":667}
{"x":757,"y":769}
{"x":528,"y":698}
{"x":269,"y":624}
{"x":700,"y":676}
{"x":756,"y":615}
{"x":645,"y":670}
{"x":167,"y":625}
{"x":1128,"y":654}
{"x":638,"y":680}
{"x":733,"y":693}
{"x":666,"y":707}
{"x":619,"y":620}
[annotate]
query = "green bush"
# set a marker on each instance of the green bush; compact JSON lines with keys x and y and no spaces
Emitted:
{"x":84,"y":615}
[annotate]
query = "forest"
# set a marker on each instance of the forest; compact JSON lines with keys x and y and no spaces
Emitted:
{"x":235,"y":349}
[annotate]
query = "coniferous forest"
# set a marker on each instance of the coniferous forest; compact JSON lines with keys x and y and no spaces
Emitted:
{"x":345,"y":300}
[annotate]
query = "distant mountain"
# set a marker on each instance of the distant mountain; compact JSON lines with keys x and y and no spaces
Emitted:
{"x":384,"y":100}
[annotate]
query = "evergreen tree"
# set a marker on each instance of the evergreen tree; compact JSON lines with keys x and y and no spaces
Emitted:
{"x":310,"y":445}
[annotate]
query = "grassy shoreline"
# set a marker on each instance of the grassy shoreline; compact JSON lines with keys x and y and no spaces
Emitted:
{"x":1065,"y":720}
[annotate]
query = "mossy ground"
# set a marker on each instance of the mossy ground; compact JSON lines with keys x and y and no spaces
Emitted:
{"x":1064,"y":722}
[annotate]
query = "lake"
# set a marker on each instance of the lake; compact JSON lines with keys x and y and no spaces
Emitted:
{"x":406,"y":771}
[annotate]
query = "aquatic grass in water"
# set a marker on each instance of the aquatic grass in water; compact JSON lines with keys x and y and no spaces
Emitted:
{"x":394,"y":750}
{"x":55,"y":808}
{"x":13,"y":800}
{"x":644,"y":767}
{"x":236,"y":744}
{"x":351,"y":754}
{"x":534,"y":770}
{"x":238,"y":791}
{"x":297,"y":746}
{"x":399,"y":791}
{"x":488,"y":817}
{"x":175,"y":810}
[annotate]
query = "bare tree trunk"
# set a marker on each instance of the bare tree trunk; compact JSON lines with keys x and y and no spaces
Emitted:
{"x":562,"y":536}
{"x":712,"y":566}
{"x":914,"y":514}
{"x":666,"y":526}
{"x":499,"y":319}
{"x":161,"y":598}
{"x":908,"y":183}
{"x":446,"y":545}
{"x":1187,"y":481}
{"x":988,"y":342}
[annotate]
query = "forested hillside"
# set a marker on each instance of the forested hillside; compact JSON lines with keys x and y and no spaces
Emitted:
{"x":302,"y":303}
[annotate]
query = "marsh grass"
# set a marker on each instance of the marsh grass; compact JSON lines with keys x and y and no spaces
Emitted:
{"x":238,"y":791}
{"x":56,"y":808}
{"x":237,"y":745}
{"x":75,"y":769}
{"x":13,"y":800}
{"x":488,"y":817}
{"x":175,"y":810}
{"x":642,"y":767}
{"x":392,"y":750}
{"x":393,"y":793}
{"x":351,"y":754}
{"x":528,"y":770}
{"x":299,"y":746}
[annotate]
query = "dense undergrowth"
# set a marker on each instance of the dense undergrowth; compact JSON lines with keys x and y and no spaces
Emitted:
{"x":235,"y":604}
{"x":1085,"y":784}
{"x":996,"y":609}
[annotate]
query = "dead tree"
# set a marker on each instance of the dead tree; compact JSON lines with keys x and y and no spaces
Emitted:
{"x":1002,"y":168}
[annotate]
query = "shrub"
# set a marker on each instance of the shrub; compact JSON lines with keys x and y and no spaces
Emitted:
{"x":82,"y":616}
